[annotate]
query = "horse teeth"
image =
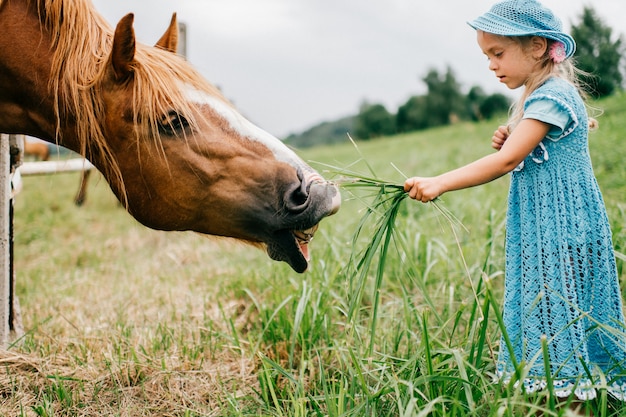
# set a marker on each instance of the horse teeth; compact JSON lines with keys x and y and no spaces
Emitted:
{"x":310,"y":231}
{"x":301,"y":236}
{"x":305,"y":236}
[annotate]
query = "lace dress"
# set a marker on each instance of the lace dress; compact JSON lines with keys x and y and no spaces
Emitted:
{"x":561,"y":278}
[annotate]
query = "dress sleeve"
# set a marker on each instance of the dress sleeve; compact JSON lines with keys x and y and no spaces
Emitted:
{"x":558,"y":114}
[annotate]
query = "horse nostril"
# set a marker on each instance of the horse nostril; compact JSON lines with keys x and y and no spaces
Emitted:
{"x":297,"y":197}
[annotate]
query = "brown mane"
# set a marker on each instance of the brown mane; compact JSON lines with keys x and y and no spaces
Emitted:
{"x":82,"y":42}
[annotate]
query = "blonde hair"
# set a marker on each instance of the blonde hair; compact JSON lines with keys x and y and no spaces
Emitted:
{"x":547,"y":69}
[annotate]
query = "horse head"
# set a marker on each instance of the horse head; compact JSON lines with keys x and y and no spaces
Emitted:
{"x":175,"y":152}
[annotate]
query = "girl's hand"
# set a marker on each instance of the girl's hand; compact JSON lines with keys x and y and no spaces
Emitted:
{"x":499,"y":137}
{"x":423,"y":189}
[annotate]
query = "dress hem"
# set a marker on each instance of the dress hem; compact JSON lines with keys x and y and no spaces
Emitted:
{"x":583,"y":388}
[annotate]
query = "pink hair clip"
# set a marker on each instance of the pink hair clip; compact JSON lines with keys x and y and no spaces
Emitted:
{"x":557,"y":52}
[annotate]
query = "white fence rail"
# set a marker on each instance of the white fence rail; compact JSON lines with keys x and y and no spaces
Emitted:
{"x":54,"y":167}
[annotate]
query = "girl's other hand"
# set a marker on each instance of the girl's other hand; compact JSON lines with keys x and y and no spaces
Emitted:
{"x":423,"y":189}
{"x":499,"y":137}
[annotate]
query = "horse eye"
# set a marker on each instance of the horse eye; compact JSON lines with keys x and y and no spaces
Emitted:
{"x":172,"y":123}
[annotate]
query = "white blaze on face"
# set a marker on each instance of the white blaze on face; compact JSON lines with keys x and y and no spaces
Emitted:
{"x":247,"y":129}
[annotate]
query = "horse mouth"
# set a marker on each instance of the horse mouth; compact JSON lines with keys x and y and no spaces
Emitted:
{"x":292,"y":246}
{"x":303,"y":238}
{"x":305,"y":206}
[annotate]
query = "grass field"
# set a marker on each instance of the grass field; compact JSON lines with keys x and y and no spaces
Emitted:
{"x":121,"y":320}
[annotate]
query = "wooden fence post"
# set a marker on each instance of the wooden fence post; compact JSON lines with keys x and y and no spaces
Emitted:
{"x":11,"y":149}
{"x":5,"y":240}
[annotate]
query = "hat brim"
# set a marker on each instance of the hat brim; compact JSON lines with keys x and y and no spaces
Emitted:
{"x":498,"y":25}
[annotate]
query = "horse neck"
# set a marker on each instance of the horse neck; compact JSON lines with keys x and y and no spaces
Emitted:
{"x":26,"y":101}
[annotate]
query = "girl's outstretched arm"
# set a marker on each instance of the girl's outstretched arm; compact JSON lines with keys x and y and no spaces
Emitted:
{"x":514,"y":148}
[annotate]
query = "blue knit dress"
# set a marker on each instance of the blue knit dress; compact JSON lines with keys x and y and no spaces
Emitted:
{"x":561,"y":278}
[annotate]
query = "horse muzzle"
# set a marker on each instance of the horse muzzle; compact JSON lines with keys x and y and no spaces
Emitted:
{"x":305,"y":206}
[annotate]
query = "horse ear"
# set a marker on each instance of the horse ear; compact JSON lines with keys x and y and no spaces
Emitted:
{"x":123,"y":54}
{"x":169,"y":40}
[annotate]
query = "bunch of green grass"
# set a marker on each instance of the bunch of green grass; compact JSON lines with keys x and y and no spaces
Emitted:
{"x":383,"y":200}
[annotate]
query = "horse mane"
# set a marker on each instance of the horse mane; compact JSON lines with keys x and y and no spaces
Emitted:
{"x":81,"y":45}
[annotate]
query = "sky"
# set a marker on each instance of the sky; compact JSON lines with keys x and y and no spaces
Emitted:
{"x":288,"y":65}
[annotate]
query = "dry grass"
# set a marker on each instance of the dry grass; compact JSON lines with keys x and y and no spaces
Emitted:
{"x":120,"y":319}
{"x":135,"y":387}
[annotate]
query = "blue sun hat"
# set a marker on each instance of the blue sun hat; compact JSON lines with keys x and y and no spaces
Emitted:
{"x":524,"y":18}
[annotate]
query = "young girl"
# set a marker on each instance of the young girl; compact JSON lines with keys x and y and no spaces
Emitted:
{"x":561,"y":279}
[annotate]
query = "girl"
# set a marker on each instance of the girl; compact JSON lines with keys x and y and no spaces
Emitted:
{"x":561,"y":279}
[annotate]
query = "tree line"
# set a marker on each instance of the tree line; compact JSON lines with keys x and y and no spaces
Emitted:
{"x":443,"y":103}
{"x":600,"y":57}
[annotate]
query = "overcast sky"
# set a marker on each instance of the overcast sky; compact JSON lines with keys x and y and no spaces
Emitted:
{"x":290,"y":64}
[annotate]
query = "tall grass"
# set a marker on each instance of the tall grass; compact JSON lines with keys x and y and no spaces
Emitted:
{"x":122,"y":320}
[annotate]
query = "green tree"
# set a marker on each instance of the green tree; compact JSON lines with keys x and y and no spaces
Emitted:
{"x":412,"y":115}
{"x":444,"y":100}
{"x":482,"y":106}
{"x":494,"y":104}
{"x":474,"y":100}
{"x":598,"y":54}
{"x":374,"y":120}
{"x":443,"y":103}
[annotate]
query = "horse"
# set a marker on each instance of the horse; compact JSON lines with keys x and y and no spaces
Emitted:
{"x":174,"y":151}
{"x":40,"y":150}
{"x":37,"y":149}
